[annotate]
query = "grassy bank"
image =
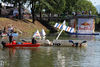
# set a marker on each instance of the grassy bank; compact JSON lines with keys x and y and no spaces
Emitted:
{"x":25,"y":26}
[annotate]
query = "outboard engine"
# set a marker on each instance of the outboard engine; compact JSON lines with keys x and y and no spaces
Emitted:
{"x":3,"y":44}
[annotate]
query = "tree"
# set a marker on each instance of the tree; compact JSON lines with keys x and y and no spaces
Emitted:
{"x":32,"y":4}
{"x":17,"y":3}
{"x":79,"y":5}
{"x":85,"y":5}
{"x":55,"y":6}
{"x":70,"y":6}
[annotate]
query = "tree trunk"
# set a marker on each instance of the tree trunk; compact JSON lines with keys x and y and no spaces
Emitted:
{"x":15,"y":5}
{"x":0,"y":12}
{"x":40,"y":10}
{"x":19,"y":9}
{"x":49,"y":16}
{"x":40,"y":13}
{"x":0,"y":9}
{"x":32,"y":12}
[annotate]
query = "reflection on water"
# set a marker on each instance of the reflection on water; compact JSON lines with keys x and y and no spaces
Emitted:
{"x":46,"y":56}
{"x":87,"y":37}
{"x":15,"y":57}
{"x":51,"y":57}
{"x":74,"y":37}
{"x":60,"y":59}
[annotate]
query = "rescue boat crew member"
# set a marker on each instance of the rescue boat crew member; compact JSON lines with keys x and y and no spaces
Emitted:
{"x":33,"y":40}
{"x":10,"y":38}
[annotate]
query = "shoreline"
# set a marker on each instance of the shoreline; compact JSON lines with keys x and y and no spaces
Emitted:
{"x":26,"y":27}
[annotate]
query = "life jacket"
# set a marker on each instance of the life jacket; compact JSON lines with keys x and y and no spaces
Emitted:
{"x":14,"y":42}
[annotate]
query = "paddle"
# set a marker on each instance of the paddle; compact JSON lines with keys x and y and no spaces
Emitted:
{"x":83,"y":42}
{"x":71,"y":41}
{"x":23,"y":40}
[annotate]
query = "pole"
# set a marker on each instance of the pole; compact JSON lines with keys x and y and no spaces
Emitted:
{"x":61,"y":30}
{"x":59,"y":34}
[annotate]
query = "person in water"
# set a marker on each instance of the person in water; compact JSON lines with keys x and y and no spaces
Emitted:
{"x":34,"y":41}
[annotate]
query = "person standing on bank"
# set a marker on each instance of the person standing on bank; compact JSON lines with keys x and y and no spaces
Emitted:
{"x":10,"y":29}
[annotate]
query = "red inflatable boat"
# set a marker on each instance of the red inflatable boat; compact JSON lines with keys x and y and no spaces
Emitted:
{"x":20,"y":45}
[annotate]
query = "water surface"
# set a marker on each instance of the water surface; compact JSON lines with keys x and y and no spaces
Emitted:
{"x":46,"y":56}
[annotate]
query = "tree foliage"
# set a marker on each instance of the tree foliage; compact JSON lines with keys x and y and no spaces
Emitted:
{"x":17,"y":3}
{"x":54,"y":6}
{"x":85,"y":5}
{"x":70,"y":6}
{"x":79,"y":6}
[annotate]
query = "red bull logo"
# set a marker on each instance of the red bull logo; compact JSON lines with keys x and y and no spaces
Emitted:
{"x":85,"y":24}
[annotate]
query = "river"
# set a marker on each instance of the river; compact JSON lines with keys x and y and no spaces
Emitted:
{"x":49,"y":56}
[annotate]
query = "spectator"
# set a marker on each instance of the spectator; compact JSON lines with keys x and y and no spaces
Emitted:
{"x":15,"y":13}
{"x":73,"y":13}
{"x":90,"y":12}
{"x":82,"y":12}
{"x":10,"y":29}
{"x":4,"y":30}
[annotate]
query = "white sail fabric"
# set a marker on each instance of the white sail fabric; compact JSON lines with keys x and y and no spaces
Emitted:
{"x":37,"y":34}
{"x":64,"y":27}
{"x":43,"y":34}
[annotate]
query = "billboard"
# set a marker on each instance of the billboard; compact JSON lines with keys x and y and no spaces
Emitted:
{"x":86,"y":25}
